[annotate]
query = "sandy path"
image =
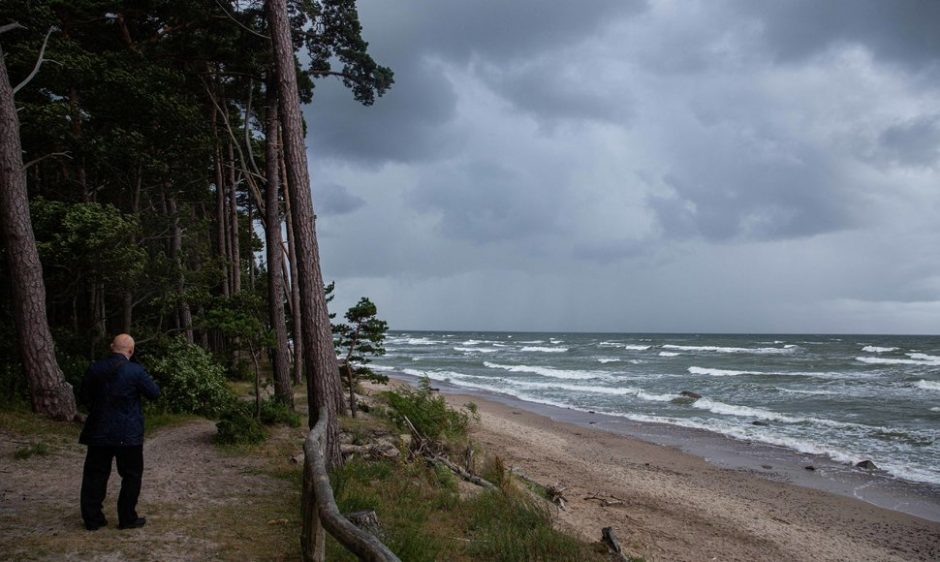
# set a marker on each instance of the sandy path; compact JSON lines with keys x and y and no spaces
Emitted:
{"x":187,"y":483}
{"x":678,"y":507}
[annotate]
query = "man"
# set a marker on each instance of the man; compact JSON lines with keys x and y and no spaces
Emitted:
{"x":114,"y":429}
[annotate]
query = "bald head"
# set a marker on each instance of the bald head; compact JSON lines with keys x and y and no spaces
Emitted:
{"x":123,"y":344}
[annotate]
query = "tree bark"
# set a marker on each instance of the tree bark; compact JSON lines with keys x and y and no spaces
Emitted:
{"x":282,"y":383}
{"x":296,"y":315}
{"x":221,"y":233}
{"x":233,"y":224}
{"x":323,"y":386}
{"x":49,"y":392}
{"x":176,"y":254}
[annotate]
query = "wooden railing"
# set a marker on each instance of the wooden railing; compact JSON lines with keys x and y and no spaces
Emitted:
{"x":321,"y":515}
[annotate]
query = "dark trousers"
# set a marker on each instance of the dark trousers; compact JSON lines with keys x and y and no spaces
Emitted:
{"x":130,"y":466}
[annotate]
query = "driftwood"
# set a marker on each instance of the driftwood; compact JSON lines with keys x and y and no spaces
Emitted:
{"x":422,"y":446}
{"x":459,"y":471}
{"x":605,"y":501}
{"x":610,"y":539}
{"x":556,"y":494}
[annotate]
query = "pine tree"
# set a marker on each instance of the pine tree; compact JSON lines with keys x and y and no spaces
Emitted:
{"x":361,"y":338}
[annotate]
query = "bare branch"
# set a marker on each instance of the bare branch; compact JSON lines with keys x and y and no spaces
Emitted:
{"x":39,"y":61}
{"x":247,"y":174}
{"x":11,"y":26}
{"x":240,"y":24}
{"x":50,"y":155}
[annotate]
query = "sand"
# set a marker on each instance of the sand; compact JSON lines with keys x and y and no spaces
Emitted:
{"x":679,"y":507}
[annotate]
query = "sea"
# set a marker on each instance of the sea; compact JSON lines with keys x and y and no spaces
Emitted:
{"x":843,"y":398}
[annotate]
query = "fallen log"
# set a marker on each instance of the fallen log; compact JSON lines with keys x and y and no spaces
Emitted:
{"x":459,"y":471}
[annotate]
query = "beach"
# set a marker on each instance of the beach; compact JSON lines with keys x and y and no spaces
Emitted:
{"x":676,"y":506}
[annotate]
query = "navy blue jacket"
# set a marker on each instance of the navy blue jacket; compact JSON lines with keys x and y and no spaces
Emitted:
{"x":112,"y":389}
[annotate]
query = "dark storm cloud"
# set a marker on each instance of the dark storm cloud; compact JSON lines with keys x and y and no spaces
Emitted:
{"x":490,"y":29}
{"x":408,"y":123}
{"x":914,"y":143}
{"x":704,"y":164}
{"x":903,"y":31}
{"x":334,"y":199}
{"x":544,"y":90}
{"x":749,"y":199}
{"x":486,"y":202}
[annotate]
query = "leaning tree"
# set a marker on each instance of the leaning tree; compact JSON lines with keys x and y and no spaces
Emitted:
{"x":331,"y":31}
{"x":49,"y":392}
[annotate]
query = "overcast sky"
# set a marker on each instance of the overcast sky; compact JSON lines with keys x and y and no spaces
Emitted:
{"x":631,"y":165}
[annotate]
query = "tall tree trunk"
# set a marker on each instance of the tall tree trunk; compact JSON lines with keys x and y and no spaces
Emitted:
{"x":251,"y":254}
{"x":275,"y":255}
{"x":296,"y":315}
{"x":234,"y":246}
{"x":176,"y":254}
{"x":324,"y":387}
{"x":49,"y":392}
{"x":221,"y":232}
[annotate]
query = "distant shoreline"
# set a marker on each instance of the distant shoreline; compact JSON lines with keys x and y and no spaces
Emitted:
{"x":788,"y":466}
{"x":680,"y":506}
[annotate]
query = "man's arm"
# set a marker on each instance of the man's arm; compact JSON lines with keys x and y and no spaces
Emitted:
{"x":146,"y":385}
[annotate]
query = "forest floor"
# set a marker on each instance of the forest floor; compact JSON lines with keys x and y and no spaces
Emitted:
{"x":201,"y":502}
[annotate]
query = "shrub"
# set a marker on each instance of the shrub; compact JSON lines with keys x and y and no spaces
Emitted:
{"x":274,"y":412}
{"x":238,"y":425}
{"x":190,"y":381}
{"x":40,"y":449}
{"x":429,"y":413}
{"x":514,"y":528}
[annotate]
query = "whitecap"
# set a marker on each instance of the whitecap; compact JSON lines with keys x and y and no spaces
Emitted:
{"x":476,"y":349}
{"x":719,"y":349}
{"x":636,"y":347}
{"x":607,"y":360}
{"x":928,"y":360}
{"x":716,"y":407}
{"x":927,"y":385}
{"x":668,"y":354}
{"x":923,"y":357}
{"x":719,"y":372}
{"x":548,"y":371}
{"x":811,"y":392}
{"x":609,"y":344}
{"x":533,"y":341}
{"x":876,"y":349}
{"x":545,"y":349}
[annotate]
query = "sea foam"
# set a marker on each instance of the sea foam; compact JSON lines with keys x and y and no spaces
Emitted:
{"x":719,"y":372}
{"x":545,"y":349}
{"x":876,"y":349}
{"x":720,"y":349}
{"x":927,"y":385}
{"x":548,"y":371}
{"x":920,"y":359}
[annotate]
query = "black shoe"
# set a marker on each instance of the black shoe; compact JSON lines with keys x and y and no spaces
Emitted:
{"x":96,"y":525}
{"x":136,"y":524}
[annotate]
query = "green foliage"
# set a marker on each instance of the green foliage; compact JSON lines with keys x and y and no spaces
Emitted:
{"x":275,"y":412}
{"x":190,"y":380}
{"x":358,"y":340}
{"x":23,"y":453}
{"x":238,"y":425}
{"x":404,"y":496}
{"x":514,"y":527}
{"x":331,"y":31}
{"x":429,"y":413}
